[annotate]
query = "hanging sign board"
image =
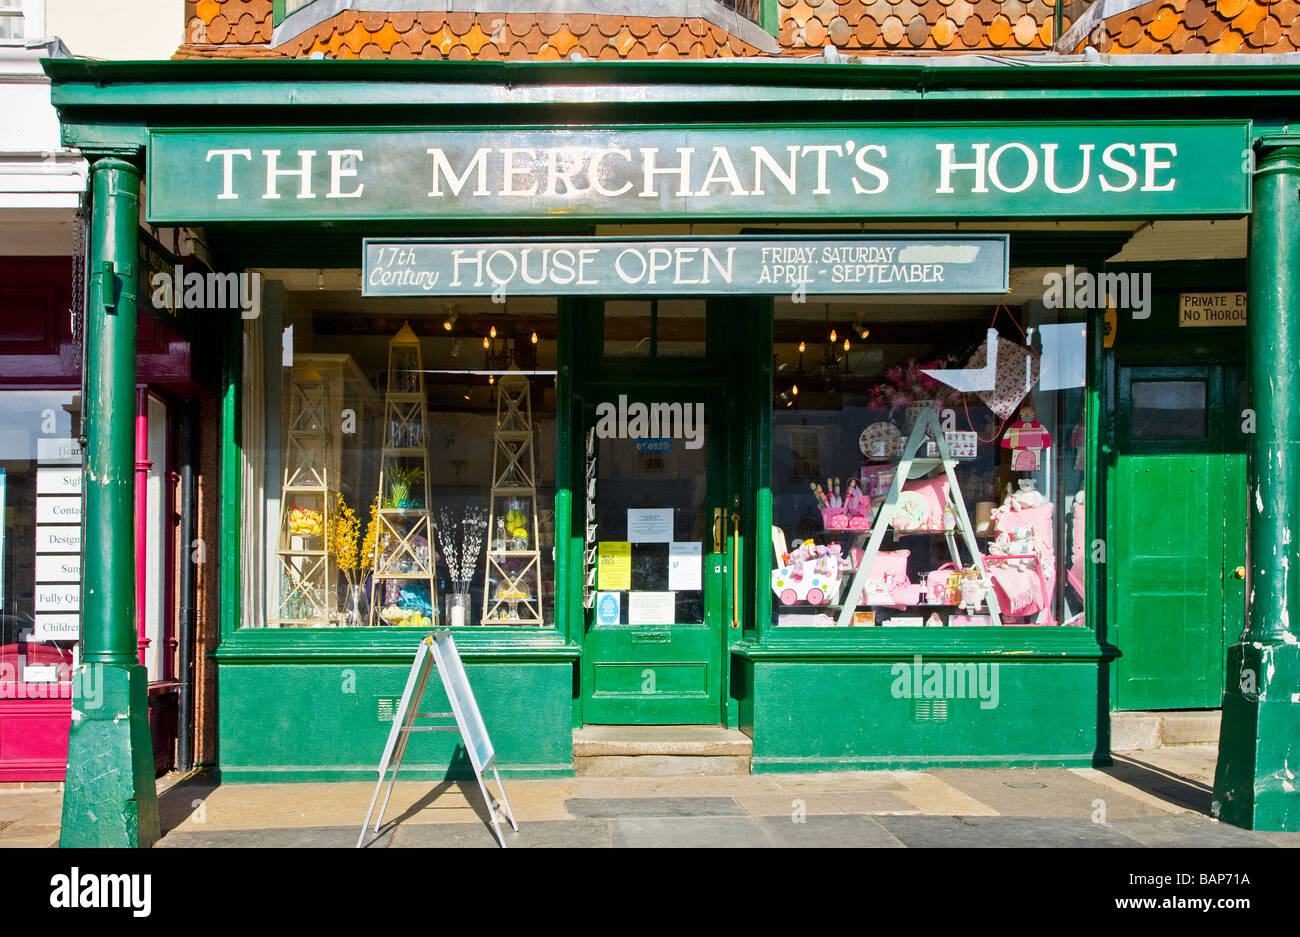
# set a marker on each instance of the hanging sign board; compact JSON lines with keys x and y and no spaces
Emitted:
{"x":697,"y":266}
{"x":1214,"y":310}
{"x":439,"y":650}
{"x":696,"y":172}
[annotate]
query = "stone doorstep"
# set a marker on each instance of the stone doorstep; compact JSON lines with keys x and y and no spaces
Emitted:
{"x":660,"y":751}
{"x":629,"y":741}
{"x":1131,"y":731}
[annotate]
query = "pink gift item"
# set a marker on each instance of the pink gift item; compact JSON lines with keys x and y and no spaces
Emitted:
{"x":876,"y":480}
{"x":1026,"y":439}
{"x":944,"y":584}
{"x":922,"y":505}
{"x":835,"y":519}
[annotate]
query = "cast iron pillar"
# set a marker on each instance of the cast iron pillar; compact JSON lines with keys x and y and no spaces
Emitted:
{"x":109,"y":797}
{"x":1256,"y":784}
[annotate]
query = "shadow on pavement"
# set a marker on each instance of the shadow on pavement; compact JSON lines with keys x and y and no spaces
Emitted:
{"x":1162,"y":783}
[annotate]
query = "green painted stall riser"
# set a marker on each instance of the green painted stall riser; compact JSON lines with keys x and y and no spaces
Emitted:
{"x":318,"y":722}
{"x":866,"y":715}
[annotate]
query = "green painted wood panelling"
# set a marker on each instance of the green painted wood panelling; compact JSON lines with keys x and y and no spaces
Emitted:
{"x":293,"y":721}
{"x":858,"y":715}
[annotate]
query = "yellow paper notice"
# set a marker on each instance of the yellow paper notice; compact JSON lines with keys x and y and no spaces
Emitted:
{"x":614,"y":566}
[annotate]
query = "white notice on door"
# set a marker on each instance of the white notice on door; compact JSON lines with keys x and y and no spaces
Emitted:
{"x":55,"y":510}
{"x":51,"y":451}
{"x":650,"y":525}
{"x":58,"y":598}
{"x":56,"y":628}
{"x":58,"y":567}
{"x":685,"y":562}
{"x":58,"y":480}
{"x":651,"y":608}
{"x":58,"y":538}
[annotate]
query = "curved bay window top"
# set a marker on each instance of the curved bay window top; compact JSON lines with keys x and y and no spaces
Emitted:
{"x":399,"y":460}
{"x":928,"y":465}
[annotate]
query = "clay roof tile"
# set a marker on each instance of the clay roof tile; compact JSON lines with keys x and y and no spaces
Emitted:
{"x":579,"y":23}
{"x":814,"y":33}
{"x":866,"y":33}
{"x":431,"y":22}
{"x":972,"y":31}
{"x":400,"y":50}
{"x":460,"y":22}
{"x":1130,"y":33}
{"x":1195,"y":12}
{"x":218,"y":30}
{"x":371,"y":51}
{"x":1229,"y":9}
{"x":1249,"y":18}
{"x":892,"y":31}
{"x":1266,"y":34}
{"x":1195,"y":45}
{"x":1231,"y":41}
{"x":999,"y":31}
{"x":943,"y":32}
{"x":840,"y":32}
{"x":1025,"y":30}
{"x":918,"y":30}
{"x":373,"y":20}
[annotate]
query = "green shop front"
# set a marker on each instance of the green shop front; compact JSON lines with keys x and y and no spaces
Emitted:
{"x":779,"y":396}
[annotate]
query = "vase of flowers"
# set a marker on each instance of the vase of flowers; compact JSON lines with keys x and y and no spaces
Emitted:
{"x":343,"y":542}
{"x":461,"y":536}
{"x":910,"y":389}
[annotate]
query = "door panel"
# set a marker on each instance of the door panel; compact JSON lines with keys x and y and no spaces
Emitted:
{"x":636,"y":672}
{"x":1172,"y":488}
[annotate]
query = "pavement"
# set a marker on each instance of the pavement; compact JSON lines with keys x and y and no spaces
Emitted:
{"x":1156,"y":798}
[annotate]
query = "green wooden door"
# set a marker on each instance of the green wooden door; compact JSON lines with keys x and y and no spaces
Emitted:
{"x":1177,"y":533}
{"x":653,"y":653}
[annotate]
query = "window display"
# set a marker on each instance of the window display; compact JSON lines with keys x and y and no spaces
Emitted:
{"x":940,"y":497}
{"x":399,"y":460}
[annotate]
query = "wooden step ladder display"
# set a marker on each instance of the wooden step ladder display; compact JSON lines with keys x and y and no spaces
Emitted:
{"x":404,"y":547}
{"x":512,"y":581}
{"x":307,"y":580}
{"x":909,"y":467}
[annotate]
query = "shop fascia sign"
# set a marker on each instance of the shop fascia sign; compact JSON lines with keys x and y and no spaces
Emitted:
{"x":697,"y":266}
{"x":701,"y":172}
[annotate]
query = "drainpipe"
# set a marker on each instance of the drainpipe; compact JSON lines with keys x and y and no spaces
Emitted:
{"x":187,"y":623}
{"x":1058,"y":22}
{"x":109,"y":796}
{"x":1259,"y":743}
{"x":142,"y":467}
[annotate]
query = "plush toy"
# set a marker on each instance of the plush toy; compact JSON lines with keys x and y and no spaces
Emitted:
{"x":1026,"y":439}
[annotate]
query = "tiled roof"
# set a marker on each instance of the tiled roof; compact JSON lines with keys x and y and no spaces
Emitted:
{"x":858,"y":26}
{"x":1218,"y":26}
{"x":243,"y":29}
{"x":226,"y":28}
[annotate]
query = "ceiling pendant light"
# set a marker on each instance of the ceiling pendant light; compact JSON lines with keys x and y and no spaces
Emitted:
{"x":492,"y":332}
{"x":533,"y":338}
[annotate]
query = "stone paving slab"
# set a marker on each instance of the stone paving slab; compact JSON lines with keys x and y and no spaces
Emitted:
{"x":1187,"y":830}
{"x":654,"y":807}
{"x":829,"y":832}
{"x":305,"y":837}
{"x":690,"y":833}
{"x":544,"y":834}
{"x":1044,"y":792}
{"x":996,"y":832}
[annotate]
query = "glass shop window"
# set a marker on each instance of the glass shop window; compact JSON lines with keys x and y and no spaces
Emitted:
{"x":1168,"y":410}
{"x":40,"y":541}
{"x":919,"y":481}
{"x":658,"y":328}
{"x":400,"y":459}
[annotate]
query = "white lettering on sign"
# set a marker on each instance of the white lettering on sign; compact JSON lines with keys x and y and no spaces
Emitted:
{"x":984,"y":167}
{"x":1212,"y":310}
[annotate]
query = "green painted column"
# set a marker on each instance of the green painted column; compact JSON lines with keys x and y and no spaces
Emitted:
{"x":109,"y":796}
{"x":1256,"y":784}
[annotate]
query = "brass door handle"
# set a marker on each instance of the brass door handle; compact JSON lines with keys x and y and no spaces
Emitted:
{"x":735,"y":571}
{"x":717,"y":530}
{"x":1240,"y":572}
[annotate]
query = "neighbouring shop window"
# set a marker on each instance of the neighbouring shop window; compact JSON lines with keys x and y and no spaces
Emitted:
{"x":40,"y":541}
{"x":400,"y":459}
{"x":915,"y":482}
